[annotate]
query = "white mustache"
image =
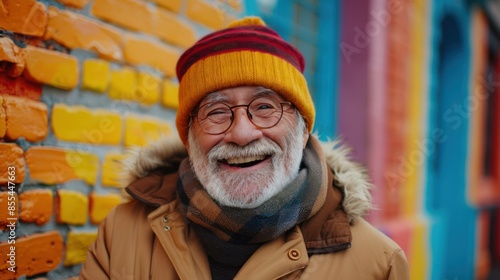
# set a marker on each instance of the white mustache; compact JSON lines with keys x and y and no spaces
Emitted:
{"x":262,"y":147}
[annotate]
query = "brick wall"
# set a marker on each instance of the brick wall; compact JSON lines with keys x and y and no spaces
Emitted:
{"x":81,"y":81}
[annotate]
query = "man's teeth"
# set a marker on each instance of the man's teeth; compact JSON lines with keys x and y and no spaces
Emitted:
{"x":240,"y":160}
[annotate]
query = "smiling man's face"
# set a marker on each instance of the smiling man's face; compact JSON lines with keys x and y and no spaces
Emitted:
{"x":246,"y":165}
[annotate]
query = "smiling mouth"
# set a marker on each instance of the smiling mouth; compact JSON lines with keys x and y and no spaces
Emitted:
{"x":243,"y":162}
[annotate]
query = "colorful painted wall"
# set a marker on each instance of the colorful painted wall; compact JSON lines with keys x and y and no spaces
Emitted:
{"x":81,"y":82}
{"x":429,"y":128}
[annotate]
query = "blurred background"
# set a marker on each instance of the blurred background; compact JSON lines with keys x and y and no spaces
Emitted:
{"x":411,"y":85}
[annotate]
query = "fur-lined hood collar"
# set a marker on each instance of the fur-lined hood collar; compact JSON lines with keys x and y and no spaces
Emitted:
{"x":167,"y":154}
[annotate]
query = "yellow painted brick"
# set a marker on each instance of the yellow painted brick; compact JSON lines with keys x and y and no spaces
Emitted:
{"x":96,"y":75}
{"x":72,"y":207}
{"x":112,"y":169}
{"x":79,"y":124}
{"x":101,"y":204}
{"x":51,"y":67}
{"x":131,"y":14}
{"x":85,"y":165}
{"x":170,"y":96}
{"x":141,"y":131}
{"x":164,"y":129}
{"x":36,"y":206}
{"x":171,"y":30}
{"x":123,"y":84}
{"x":172,"y":5}
{"x":79,"y":4}
{"x":77,"y":246}
{"x":148,"y":88}
{"x":78,"y":31}
{"x":154,"y":54}
{"x":3,"y":121}
{"x":205,"y":13}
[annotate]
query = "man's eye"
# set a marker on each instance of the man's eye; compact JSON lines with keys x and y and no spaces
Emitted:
{"x":217,"y":112}
{"x":264,"y":106}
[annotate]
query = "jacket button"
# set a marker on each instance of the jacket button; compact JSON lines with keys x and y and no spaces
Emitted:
{"x":166,"y":228}
{"x":165,"y":219}
{"x":294,"y":254}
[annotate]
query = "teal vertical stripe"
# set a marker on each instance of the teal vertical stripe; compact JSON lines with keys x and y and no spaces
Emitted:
{"x":453,"y":221}
{"x":327,"y":73}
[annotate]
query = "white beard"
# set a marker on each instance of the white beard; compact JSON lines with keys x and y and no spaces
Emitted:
{"x":245,"y":189}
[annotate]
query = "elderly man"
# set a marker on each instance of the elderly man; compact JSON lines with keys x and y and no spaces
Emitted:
{"x":248,"y":192}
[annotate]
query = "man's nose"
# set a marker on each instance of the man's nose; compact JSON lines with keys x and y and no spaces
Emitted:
{"x":242,"y":130}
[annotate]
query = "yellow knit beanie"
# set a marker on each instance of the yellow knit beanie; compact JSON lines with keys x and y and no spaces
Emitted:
{"x":247,"y":53}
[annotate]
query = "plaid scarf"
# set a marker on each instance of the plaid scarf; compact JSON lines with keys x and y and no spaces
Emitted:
{"x":299,"y":200}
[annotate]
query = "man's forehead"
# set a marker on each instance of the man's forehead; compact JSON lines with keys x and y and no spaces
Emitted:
{"x":228,"y":95}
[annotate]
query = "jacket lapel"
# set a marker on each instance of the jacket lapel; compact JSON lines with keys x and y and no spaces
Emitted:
{"x":180,"y":244}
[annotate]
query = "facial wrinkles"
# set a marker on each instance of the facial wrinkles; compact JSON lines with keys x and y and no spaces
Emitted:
{"x":248,"y":190}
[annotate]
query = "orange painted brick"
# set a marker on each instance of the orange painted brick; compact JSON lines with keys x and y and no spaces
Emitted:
{"x":170,"y":29}
{"x":131,"y":14}
{"x":77,"y":246}
{"x":170,"y":97}
{"x":36,"y":206}
{"x":96,"y":75}
{"x":205,"y":13}
{"x":148,"y":88}
{"x":48,"y":165}
{"x":51,"y":165}
{"x":51,"y":67}
{"x":9,"y":211}
{"x":141,"y":131}
{"x":79,"y":4}
{"x":35,"y":254}
{"x":112,"y":169}
{"x":19,"y":86}
{"x":146,"y":52}
{"x":27,"y":17}
{"x":77,"y":31}
{"x":172,"y":5}
{"x":11,"y":155}
{"x":3,"y":121}
{"x":12,"y":57}
{"x":25,"y":118}
{"x":101,"y":204}
{"x":80,"y":124}
{"x":123,"y":83}
{"x":72,"y":207}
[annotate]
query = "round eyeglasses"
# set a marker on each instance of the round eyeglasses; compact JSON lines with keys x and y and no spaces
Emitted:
{"x":217,"y":117}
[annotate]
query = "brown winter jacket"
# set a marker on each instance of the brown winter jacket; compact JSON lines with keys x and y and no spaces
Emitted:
{"x":148,"y":238}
